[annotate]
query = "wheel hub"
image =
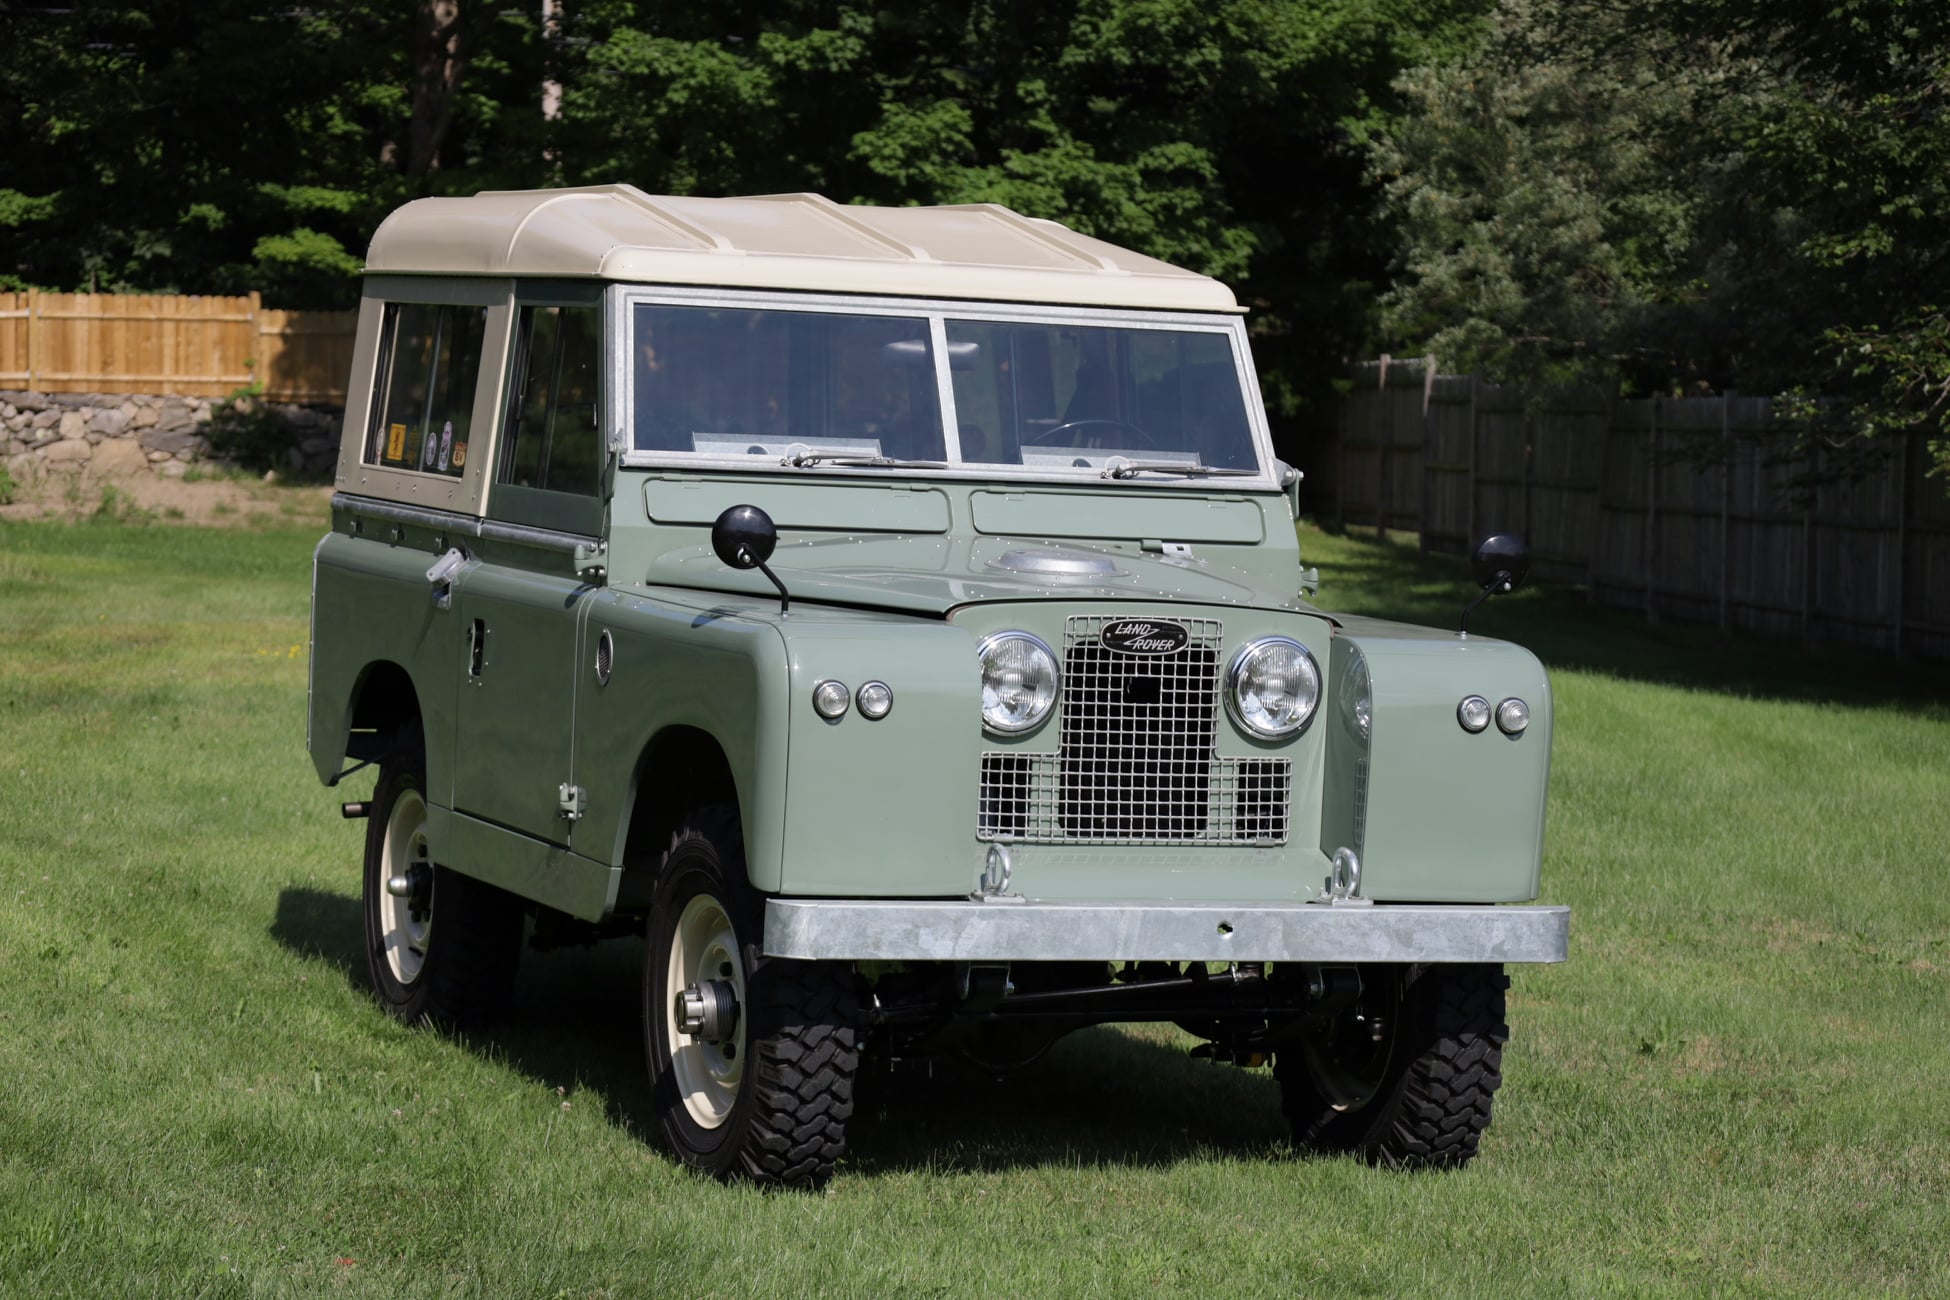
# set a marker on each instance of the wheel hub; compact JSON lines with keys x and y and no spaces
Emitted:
{"x":707,"y":1010}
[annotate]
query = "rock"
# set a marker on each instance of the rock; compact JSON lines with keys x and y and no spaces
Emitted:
{"x":169,"y":440}
{"x":315,"y":446}
{"x":119,"y":456}
{"x":271,"y":476}
{"x":157,"y":457}
{"x":110,"y":421}
{"x":145,"y":416}
{"x":8,"y":410}
{"x":47,"y":419}
{"x":175,"y":414}
{"x":172,"y":469}
{"x":73,"y":424}
{"x":69,"y":451}
{"x":23,"y":469}
{"x":72,"y":401}
{"x":45,"y":440}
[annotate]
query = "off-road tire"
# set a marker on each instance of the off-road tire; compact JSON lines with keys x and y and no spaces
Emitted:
{"x":783,"y":1122}
{"x":1432,"y":1103}
{"x":465,"y":975}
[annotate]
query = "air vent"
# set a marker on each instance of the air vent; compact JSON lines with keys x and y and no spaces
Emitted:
{"x":605,"y":657}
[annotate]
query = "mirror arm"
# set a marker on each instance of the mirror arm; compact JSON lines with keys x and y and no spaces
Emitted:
{"x":785,"y":597}
{"x":1496,"y":587}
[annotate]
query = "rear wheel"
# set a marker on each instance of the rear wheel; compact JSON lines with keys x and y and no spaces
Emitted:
{"x":441,"y":947}
{"x":1405,"y":1075}
{"x":751,"y":1058}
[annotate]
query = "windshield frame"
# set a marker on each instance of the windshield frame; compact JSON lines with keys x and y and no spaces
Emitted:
{"x":623,"y":299}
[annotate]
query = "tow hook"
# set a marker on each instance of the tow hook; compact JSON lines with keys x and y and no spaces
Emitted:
{"x":707,"y":1011}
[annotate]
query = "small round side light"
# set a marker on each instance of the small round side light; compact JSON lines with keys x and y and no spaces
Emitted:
{"x":1473,"y":713}
{"x":876,"y":700}
{"x":1512,"y":716}
{"x":830,"y":699}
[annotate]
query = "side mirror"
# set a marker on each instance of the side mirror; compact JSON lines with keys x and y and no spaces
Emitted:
{"x":1500,"y":561}
{"x":1499,"y":564}
{"x":744,"y":538}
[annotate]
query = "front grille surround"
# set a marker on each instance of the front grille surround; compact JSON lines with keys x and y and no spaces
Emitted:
{"x":1136,"y":761}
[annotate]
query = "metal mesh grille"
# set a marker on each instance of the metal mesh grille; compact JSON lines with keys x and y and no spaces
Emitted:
{"x":1136,"y":764}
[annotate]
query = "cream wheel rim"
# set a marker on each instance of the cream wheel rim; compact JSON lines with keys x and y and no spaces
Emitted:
{"x":704,"y":947}
{"x":406,"y":924}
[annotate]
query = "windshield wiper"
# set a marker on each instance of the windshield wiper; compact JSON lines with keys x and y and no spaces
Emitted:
{"x":853,"y":459}
{"x":1118,"y":467}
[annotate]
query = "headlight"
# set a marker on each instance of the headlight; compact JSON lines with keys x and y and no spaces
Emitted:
{"x":1019,"y":681}
{"x":1273,"y":686}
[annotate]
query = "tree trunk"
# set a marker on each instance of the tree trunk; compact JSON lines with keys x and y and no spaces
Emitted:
{"x":437,"y":64}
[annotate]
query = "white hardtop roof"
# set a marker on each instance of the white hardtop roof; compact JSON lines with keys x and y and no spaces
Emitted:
{"x":976,"y":251}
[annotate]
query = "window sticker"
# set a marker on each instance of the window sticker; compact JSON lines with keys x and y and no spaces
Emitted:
{"x":396,"y":442}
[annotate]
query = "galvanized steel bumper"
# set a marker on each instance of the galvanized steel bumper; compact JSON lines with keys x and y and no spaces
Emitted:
{"x":967,"y":930}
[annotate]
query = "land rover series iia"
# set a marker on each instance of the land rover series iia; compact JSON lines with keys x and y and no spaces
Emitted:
{"x":895,"y":615}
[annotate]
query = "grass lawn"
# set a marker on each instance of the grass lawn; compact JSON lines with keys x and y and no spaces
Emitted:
{"x":1737,"y":1085}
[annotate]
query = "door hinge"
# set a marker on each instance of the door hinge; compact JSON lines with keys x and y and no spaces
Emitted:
{"x":570,"y":801}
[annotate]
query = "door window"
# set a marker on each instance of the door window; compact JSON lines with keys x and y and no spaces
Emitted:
{"x":555,"y":440}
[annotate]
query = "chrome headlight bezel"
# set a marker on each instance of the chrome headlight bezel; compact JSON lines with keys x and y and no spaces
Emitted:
{"x":1001,"y":727}
{"x":1243,"y":661}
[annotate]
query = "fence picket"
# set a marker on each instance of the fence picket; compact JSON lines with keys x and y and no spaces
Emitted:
{"x":188,"y":346}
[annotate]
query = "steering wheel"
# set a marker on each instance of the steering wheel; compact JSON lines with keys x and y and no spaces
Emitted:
{"x":1133,"y":437}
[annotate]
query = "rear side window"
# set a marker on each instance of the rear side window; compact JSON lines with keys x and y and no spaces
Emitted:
{"x":423,"y":398}
{"x":554,"y":437}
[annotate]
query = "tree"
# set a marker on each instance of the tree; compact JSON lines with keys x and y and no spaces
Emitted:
{"x":1667,"y":195}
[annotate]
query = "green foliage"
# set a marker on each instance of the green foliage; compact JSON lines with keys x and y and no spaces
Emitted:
{"x":1664,"y":195}
{"x":245,"y":431}
{"x":8,"y":488}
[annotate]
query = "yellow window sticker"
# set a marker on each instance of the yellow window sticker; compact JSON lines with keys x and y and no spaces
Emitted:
{"x":396,"y":442}
{"x":460,"y":454}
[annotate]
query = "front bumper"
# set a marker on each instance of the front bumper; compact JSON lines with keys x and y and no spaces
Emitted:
{"x":970,"y":930}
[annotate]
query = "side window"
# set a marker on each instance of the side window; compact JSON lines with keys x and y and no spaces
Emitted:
{"x":423,"y":398}
{"x":554,"y":438}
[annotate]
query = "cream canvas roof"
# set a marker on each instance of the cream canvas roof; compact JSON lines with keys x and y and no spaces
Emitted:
{"x":780,"y":241}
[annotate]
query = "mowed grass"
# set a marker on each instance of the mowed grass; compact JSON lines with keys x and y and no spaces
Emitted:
{"x":1737,"y":1085}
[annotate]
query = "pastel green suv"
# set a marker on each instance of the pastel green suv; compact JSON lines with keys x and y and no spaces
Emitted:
{"x":896,"y":616}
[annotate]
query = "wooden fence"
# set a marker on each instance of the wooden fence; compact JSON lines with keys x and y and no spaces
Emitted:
{"x":155,"y":343}
{"x":1691,"y":508}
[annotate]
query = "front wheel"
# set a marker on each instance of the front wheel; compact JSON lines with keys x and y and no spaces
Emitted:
{"x":751,"y":1058}
{"x":1405,"y":1076}
{"x":441,"y":947}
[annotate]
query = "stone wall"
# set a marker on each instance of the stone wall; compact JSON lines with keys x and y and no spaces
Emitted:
{"x":101,"y":434}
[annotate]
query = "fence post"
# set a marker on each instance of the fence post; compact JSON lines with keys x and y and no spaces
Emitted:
{"x":33,"y":338}
{"x":1384,"y":426}
{"x":1469,"y":537}
{"x":1726,"y":508}
{"x":1808,"y":550}
{"x":1652,"y":512}
{"x":1428,"y":395}
{"x":1902,"y":535}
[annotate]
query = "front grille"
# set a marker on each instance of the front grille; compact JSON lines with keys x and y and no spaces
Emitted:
{"x":1136,"y":762}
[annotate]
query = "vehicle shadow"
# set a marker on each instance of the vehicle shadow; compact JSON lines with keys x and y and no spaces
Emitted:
{"x":1113,"y":1096}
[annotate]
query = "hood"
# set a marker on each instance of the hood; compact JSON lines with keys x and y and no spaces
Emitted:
{"x":935,"y":574}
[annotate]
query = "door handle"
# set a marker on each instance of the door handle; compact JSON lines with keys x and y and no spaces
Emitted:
{"x":441,"y":576}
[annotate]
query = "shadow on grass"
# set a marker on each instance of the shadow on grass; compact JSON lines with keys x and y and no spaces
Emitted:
{"x":1559,"y":623}
{"x":1102,"y":1096}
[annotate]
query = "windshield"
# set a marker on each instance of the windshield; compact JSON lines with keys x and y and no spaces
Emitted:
{"x":839,"y":388}
{"x":1072,"y":396}
{"x":735,"y":381}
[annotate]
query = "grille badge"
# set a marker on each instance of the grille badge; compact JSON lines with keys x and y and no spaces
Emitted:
{"x":1139,"y":636}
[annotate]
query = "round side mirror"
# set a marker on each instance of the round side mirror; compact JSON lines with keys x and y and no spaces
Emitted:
{"x":1501,"y":562}
{"x":744,"y":537}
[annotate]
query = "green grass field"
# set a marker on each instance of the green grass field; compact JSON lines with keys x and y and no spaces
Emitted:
{"x":1739,"y":1084}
